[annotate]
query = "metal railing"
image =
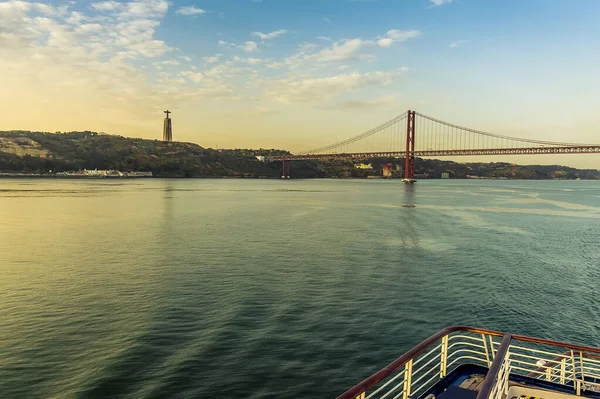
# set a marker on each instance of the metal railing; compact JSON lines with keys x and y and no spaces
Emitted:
{"x":432,"y":360}
{"x":573,"y":369}
{"x":507,"y":356}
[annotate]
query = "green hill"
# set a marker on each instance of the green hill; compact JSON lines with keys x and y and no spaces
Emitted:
{"x":49,"y":153}
{"x":25,"y":151}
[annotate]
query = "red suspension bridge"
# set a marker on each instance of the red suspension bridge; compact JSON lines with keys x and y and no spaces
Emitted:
{"x":398,"y":138}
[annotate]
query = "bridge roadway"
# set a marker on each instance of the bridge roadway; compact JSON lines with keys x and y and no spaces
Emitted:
{"x":584,"y":149}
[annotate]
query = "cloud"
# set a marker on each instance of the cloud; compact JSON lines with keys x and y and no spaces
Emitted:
{"x":458,"y":43}
{"x":170,"y":62}
{"x":347,"y":49}
{"x":86,"y":55}
{"x":255,"y":61}
{"x":227,"y":70}
{"x":109,"y":56}
{"x":194,"y":76}
{"x":327,"y":20}
{"x":436,"y":3}
{"x":275,"y":65}
{"x":268,"y":36}
{"x":133,"y":9}
{"x":107,"y":6}
{"x":307,"y":47}
{"x":352,"y":105}
{"x":341,"y":51}
{"x":295,"y":90}
{"x":123,"y":30}
{"x":393,"y":36}
{"x":189,"y":10}
{"x":212,"y":59}
{"x":249,"y":47}
{"x":327,"y":39}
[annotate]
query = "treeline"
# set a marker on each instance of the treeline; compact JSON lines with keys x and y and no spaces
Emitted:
{"x":74,"y":151}
{"x":39,"y":152}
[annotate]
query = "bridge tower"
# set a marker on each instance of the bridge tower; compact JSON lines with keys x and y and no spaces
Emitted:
{"x":286,"y":164}
{"x":409,"y":167}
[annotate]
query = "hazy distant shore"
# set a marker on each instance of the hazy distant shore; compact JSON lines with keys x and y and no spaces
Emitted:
{"x":89,"y":155}
{"x":73,"y":177}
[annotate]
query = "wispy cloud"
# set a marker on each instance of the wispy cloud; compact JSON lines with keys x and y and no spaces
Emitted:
{"x":327,"y":20}
{"x":298,"y":90}
{"x":348,"y":49}
{"x":212,"y":59}
{"x":189,"y":10}
{"x":194,"y":76}
{"x":394,"y":35}
{"x":437,"y":3}
{"x":272,"y":35}
{"x":458,"y":43}
{"x":249,"y":46}
{"x":111,"y":48}
{"x":378,"y":103}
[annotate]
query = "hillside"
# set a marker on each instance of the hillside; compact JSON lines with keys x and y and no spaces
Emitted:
{"x":49,"y":153}
{"x":25,"y":151}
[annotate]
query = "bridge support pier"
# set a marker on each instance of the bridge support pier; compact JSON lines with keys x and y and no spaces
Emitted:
{"x":409,"y":167}
{"x":286,"y":168}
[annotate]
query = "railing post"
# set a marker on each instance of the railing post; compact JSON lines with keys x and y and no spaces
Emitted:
{"x":361,"y":396}
{"x":407,"y":378}
{"x":507,"y":372}
{"x":444,"y":357}
{"x":487,"y":355}
{"x":582,"y":371}
{"x":563,"y":370}
{"x":492,"y":350}
{"x":494,"y":371}
{"x":574,"y":373}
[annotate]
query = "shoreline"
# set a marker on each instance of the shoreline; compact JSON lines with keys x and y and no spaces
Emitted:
{"x":7,"y":175}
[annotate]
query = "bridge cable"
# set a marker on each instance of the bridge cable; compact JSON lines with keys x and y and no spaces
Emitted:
{"x":499,"y":136}
{"x":356,"y":138}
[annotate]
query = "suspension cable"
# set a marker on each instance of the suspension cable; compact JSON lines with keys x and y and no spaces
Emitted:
{"x":499,"y":136}
{"x":361,"y":136}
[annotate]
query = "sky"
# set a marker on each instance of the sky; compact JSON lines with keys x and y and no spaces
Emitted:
{"x":299,"y":74}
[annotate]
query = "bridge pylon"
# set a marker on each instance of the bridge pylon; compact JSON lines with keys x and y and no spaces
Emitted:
{"x":409,"y":167}
{"x":286,"y":167}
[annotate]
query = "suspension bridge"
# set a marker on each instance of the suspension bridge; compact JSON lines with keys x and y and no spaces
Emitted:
{"x":412,"y":134}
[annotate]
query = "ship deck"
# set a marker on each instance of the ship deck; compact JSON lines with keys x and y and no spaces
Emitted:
{"x":471,"y":386}
{"x":471,"y":363}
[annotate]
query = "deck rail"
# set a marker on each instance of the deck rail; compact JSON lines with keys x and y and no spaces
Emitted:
{"x":421,"y":367}
{"x":572,"y":368}
{"x":507,"y":356}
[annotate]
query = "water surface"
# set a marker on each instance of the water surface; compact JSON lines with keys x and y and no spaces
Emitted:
{"x":276,"y":289}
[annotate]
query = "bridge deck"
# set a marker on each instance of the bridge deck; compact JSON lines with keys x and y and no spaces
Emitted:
{"x":586,"y":149}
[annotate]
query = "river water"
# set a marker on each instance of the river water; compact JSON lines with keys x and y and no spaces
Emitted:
{"x":277,"y":289}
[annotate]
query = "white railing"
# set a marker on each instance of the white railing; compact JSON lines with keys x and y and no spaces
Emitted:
{"x":435,"y":361}
{"x":500,"y":387}
{"x":509,"y":358}
{"x":571,"y":370}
